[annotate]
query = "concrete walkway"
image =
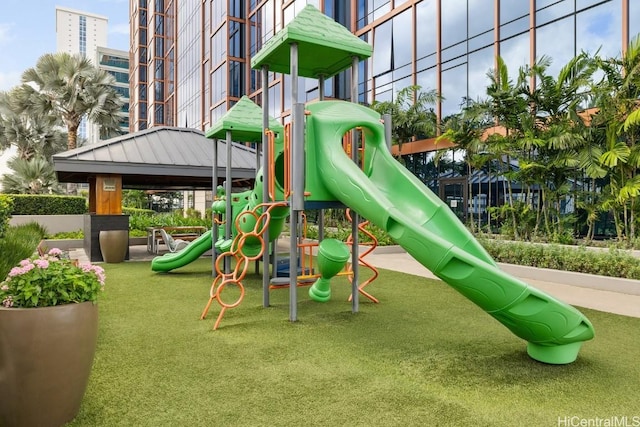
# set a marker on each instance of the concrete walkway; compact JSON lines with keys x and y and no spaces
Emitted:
{"x":609,"y":294}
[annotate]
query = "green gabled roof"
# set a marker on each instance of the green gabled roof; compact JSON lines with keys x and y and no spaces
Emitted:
{"x":324,"y":46}
{"x":244,"y":120}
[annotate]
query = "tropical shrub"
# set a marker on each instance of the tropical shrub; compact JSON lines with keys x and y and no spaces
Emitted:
{"x":18,"y":243}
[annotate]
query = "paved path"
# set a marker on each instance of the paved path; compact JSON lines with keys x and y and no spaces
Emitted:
{"x":613,"y":295}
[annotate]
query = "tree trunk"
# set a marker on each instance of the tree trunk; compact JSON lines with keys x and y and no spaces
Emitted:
{"x":72,"y":135}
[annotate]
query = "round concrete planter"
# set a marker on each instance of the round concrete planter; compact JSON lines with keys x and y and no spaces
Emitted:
{"x":114,"y":245}
{"x":46,"y":356}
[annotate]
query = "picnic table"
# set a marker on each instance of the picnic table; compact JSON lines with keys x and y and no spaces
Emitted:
{"x":184,"y":232}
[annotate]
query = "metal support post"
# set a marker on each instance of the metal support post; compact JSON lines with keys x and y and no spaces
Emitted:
{"x":228,"y":217}
{"x":355,"y":257}
{"x":265,"y":188}
{"x":214,"y":191}
{"x":296,"y":185}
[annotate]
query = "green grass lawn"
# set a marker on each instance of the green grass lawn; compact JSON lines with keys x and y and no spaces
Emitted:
{"x":424,"y":356}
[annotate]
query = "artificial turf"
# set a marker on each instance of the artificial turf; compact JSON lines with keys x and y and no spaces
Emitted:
{"x":423,"y":356}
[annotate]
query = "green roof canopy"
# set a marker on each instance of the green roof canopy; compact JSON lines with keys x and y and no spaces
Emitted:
{"x":324,"y":47}
{"x":244,"y":120}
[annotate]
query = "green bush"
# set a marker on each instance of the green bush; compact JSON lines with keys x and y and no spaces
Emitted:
{"x":142,"y":221}
{"x":18,"y":243}
{"x":138,"y":211}
{"x":613,"y":263}
{"x":35,"y":204}
{"x":193,"y":213}
{"x":6,"y":207}
{"x":78,"y":234}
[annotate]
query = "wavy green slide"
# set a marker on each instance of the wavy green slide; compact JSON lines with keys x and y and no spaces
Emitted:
{"x":391,"y":197}
{"x":190,"y":253}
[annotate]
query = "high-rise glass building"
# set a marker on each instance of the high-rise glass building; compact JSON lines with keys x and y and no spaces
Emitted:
{"x":116,"y":63}
{"x":191,"y":59}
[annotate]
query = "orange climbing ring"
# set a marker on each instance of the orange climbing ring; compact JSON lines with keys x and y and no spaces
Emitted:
{"x":238,"y":254}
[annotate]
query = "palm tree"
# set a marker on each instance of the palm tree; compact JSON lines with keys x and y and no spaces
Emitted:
{"x":466,"y":131}
{"x":33,"y":176}
{"x":507,"y":104}
{"x":71,"y":88}
{"x":561,"y":148}
{"x":618,"y":117}
{"x":411,"y":114}
{"x":32,"y":135}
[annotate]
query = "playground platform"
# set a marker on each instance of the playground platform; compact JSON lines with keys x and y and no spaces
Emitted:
{"x":609,"y":294}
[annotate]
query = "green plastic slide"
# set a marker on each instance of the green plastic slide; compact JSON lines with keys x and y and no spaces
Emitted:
{"x":391,"y":197}
{"x":190,"y":253}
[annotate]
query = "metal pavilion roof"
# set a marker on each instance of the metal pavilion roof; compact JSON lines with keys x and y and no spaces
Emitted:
{"x":157,"y":158}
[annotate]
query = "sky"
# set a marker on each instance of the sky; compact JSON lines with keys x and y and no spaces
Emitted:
{"x":28,"y":31}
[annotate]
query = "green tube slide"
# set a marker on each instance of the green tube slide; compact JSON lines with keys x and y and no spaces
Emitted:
{"x":190,"y":253}
{"x":394,"y":199}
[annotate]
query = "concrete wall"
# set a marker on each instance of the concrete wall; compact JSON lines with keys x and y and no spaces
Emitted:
{"x":53,"y":223}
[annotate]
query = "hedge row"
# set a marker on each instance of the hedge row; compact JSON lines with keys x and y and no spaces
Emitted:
{"x":27,"y":204}
{"x":613,"y":263}
{"x":6,"y":206}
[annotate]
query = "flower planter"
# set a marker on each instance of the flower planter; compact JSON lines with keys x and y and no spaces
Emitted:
{"x":46,"y":356}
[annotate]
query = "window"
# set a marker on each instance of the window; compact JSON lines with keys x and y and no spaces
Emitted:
{"x":479,"y":64}
{"x":561,"y":50}
{"x":480,"y":17}
{"x":515,"y":53}
{"x":554,"y":11}
{"x":511,"y":10}
{"x":454,"y":89}
{"x":454,"y":22}
{"x":382,"y":50}
{"x":236,"y":79}
{"x":426,"y":34}
{"x":236,"y":39}
{"x":402,"y":39}
{"x":599,"y":28}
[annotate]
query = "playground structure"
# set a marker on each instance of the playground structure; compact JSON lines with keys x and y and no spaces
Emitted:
{"x":305,"y":166}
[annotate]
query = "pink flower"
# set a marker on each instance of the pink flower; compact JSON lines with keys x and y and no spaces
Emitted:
{"x":55,"y":252}
{"x":25,"y":262}
{"x":41,"y":263}
{"x":97,"y":270}
{"x":8,"y":301}
{"x":4,"y":287}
